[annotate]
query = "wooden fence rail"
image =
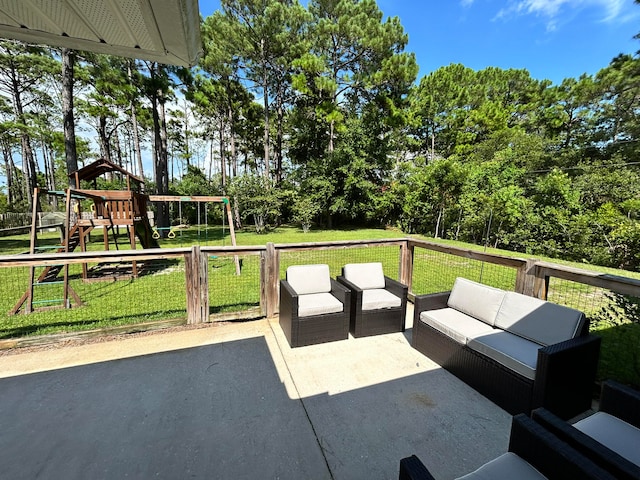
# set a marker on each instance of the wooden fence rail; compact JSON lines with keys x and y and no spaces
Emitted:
{"x":532,"y":276}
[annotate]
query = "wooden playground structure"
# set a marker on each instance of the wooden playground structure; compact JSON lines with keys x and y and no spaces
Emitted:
{"x":110,"y":210}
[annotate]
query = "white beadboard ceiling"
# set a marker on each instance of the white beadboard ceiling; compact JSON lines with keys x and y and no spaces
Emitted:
{"x":166,"y":31}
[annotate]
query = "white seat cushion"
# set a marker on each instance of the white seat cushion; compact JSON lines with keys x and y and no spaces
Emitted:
{"x":318,"y":304}
{"x":457,"y":325}
{"x":507,"y":466}
{"x":365,"y":275}
{"x":514,"y":352}
{"x":305,"y":279}
{"x":479,"y":301}
{"x":542,"y":322}
{"x":377,"y":298}
{"x":613,"y":433}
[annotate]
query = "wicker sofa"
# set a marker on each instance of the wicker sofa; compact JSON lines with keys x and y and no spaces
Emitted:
{"x":534,"y":453}
{"x":520,"y":352}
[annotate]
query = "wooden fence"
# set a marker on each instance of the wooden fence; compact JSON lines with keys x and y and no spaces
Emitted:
{"x":531,"y":277}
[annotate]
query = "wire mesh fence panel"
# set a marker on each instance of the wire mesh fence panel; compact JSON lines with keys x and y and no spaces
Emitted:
{"x":155,"y":295}
{"x":336,"y":258}
{"x":614,"y":317}
{"x":435,"y":272}
{"x":586,"y":298}
{"x":230,"y":292}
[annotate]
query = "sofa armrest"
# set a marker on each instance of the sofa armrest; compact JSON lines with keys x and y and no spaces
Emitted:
{"x":621,"y":401}
{"x":594,"y":450}
{"x":565,"y":376}
{"x":412,"y":468}
{"x":432,"y":301}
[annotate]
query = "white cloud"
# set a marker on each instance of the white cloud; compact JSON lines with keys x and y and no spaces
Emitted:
{"x":466,"y":3}
{"x":553,"y":10}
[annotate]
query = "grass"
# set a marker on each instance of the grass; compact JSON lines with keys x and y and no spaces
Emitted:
{"x":159,"y":294}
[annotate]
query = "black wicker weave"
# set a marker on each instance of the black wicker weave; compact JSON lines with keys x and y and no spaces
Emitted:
{"x":617,"y":400}
{"x":552,"y":457}
{"x":364,"y":323}
{"x":301,"y":331}
{"x":565,"y":372}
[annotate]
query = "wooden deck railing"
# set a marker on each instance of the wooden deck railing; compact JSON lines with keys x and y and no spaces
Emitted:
{"x":531,"y":277}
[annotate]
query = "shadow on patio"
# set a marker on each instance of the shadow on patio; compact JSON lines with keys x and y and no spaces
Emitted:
{"x":239,"y":403}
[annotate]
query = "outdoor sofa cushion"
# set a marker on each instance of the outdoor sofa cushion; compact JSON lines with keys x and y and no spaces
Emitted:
{"x":455,"y":324}
{"x":475,"y":299}
{"x":365,"y":275}
{"x":507,"y":466}
{"x":537,"y":320}
{"x":305,"y":279}
{"x":614,"y":433}
{"x":512,"y":351}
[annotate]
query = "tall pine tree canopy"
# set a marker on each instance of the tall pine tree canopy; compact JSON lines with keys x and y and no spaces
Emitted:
{"x":314,"y":114}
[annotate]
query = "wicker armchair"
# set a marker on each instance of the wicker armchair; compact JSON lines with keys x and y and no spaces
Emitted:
{"x":531,"y":448}
{"x":378,"y":303}
{"x":610,"y":437}
{"x":314,"y":308}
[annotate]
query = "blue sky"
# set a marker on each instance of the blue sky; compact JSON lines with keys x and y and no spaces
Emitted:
{"x":552,"y":39}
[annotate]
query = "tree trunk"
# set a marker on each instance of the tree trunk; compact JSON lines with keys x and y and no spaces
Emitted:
{"x":6,"y":155}
{"x":161,"y":153}
{"x":105,"y":149}
{"x":265,"y":91}
{"x":232,"y":144}
{"x":70,"y":151}
{"x":279,"y":139}
{"x":134,"y":128}
{"x":223,"y":160}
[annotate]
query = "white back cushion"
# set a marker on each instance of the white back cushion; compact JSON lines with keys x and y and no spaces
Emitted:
{"x":475,"y":299}
{"x":365,"y":275}
{"x":306,"y":279}
{"x":542,"y":322}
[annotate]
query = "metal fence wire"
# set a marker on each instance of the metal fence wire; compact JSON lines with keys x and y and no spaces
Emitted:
{"x":435,"y":272}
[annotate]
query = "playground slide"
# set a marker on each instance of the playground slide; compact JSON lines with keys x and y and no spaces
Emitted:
{"x":145,"y":234}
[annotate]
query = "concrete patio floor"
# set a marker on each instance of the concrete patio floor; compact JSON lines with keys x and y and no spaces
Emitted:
{"x":234,"y":401}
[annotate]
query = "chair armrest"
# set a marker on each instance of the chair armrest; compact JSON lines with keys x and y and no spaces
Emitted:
{"x":288,"y":299}
{"x":594,"y":450}
{"x":342,"y":293}
{"x":432,"y":301}
{"x":551,"y":456}
{"x":565,"y":376}
{"x":351,"y":286}
{"x":399,"y":289}
{"x":411,"y":468}
{"x":621,"y":401}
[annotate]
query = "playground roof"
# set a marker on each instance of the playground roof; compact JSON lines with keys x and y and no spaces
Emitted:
{"x":165,"y":31}
{"x":99,"y":168}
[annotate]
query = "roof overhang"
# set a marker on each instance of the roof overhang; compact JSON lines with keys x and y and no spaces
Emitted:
{"x":165,"y":31}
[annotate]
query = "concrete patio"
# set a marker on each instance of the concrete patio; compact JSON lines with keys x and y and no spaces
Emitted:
{"x":235,"y":401}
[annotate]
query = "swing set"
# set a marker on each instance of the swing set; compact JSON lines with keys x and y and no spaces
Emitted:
{"x":198,"y":199}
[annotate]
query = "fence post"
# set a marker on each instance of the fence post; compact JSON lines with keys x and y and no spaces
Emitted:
{"x":197,"y":285}
{"x":406,"y":263}
{"x":525,"y":278}
{"x":272,"y":279}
